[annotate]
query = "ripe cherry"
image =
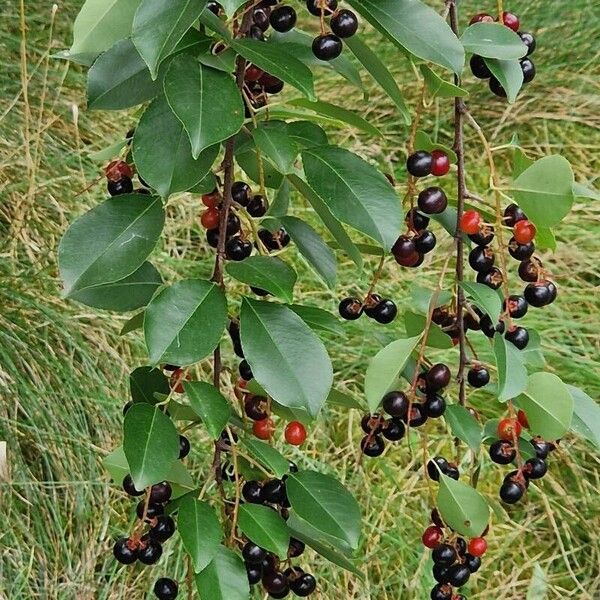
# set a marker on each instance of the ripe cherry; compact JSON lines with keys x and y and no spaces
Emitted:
{"x":535,"y":468}
{"x":295,"y":433}
{"x":327,"y":46}
{"x":438,"y":377}
{"x":513,"y":214}
{"x":432,"y":201}
{"x":508,"y":429}
{"x":394,"y":429}
{"x":518,"y":336}
{"x":304,"y":585}
{"x":211,"y":200}
{"x":257,"y":207}
{"x":419,"y":164}
{"x":502,"y":452}
{"x":130,"y":488}
{"x":350,"y":309}
{"x":479,"y":67}
{"x":150,"y":552}
{"x":470,"y":222}
{"x":165,"y":589}
{"x":432,"y":536}
{"x":478,"y":376}
{"x":524,"y":232}
{"x":125,"y":551}
{"x":528,"y":68}
{"x":395,"y":404}
{"x":510,"y":20}
{"x":283,"y":18}
{"x":404,"y":247}
{"x":481,"y":258}
{"x":120,"y":187}
{"x":477,"y":546}
{"x":241,"y":192}
{"x":210,"y":218}
{"x":344,"y":23}
{"x":264,"y":429}
{"x":529,"y":40}
{"x":440,"y":163}
{"x":425,"y":242}
{"x":372,"y":445}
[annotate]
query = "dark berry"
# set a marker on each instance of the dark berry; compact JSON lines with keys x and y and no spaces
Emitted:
{"x":535,"y":468}
{"x":184,"y":446}
{"x":478,"y":377}
{"x":237,"y":249}
{"x":404,"y":247}
{"x":393,"y":430}
{"x":538,"y":294}
{"x":528,"y":69}
{"x":257,"y":206}
{"x":372,"y":445}
{"x":441,"y":592}
{"x":492,"y":278}
{"x":274,"y":492}
{"x":150,"y":553}
{"x":417,"y":416}
{"x":438,"y":377}
{"x":154,"y":510}
{"x":274,"y":241}
{"x":255,"y":408}
{"x":129,"y":487}
{"x":283,"y":18}
{"x":214,"y":7}
{"x":435,"y":465}
{"x":425,"y":242}
{"x":245,"y":370}
{"x":385,"y":312}
{"x":261,"y":17}
{"x":518,"y":336}
{"x":434,"y":406}
{"x":488,"y":328}
{"x":444,"y":554}
{"x":479,"y":67}
{"x":481,"y":258}
{"x":528,"y":40}
{"x":511,"y":492}
{"x":163,"y":529}
{"x":395,"y":404}
{"x":513,"y":214}
{"x":254,"y":573}
{"x":165,"y":589}
{"x":314,"y":7}
{"x":271,"y":84}
{"x":275,"y":583}
{"x":350,"y":309}
{"x":440,"y":573}
{"x":212,"y":237}
{"x":233,"y":224}
{"x":416,"y":221}
{"x":542,"y":448}
{"x":496,"y":88}
{"x":125,"y":552}
{"x":253,"y":554}
{"x":252,"y":492}
{"x":372,"y":423}
{"x":241,"y":192}
{"x":419,"y":163}
{"x":327,"y":46}
{"x":458,"y":575}
{"x":432,"y":201}
{"x":484,"y":236}
{"x":371,"y":303}
{"x":517,"y":306}
{"x":304,"y":585}
{"x":160,"y":492}
{"x":120,"y":187}
{"x":452,"y":472}
{"x":502,"y":452}
{"x":296,"y":548}
{"x":344,"y":23}
{"x":473,"y":563}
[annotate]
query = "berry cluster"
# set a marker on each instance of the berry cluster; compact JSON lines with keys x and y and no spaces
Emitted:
{"x":454,"y":559}
{"x":382,"y":310}
{"x":403,"y":412}
{"x":479,"y":67}
{"x":505,"y":451}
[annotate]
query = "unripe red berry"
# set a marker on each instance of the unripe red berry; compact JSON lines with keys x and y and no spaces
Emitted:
{"x":177,"y":379}
{"x":477,"y":546}
{"x":295,"y":433}
{"x":508,"y":429}
{"x":115,"y":170}
{"x":263,"y":430}
{"x":524,"y":231}
{"x":210,"y":218}
{"x":481,"y":18}
{"x":211,"y":200}
{"x":522,"y":418}
{"x":511,"y":21}
{"x":432,"y":536}
{"x":441,"y":163}
{"x":470,"y":222}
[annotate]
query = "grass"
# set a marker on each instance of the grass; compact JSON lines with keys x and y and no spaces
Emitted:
{"x":63,"y":367}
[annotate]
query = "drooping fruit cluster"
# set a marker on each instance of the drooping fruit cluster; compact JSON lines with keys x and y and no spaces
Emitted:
{"x":382,"y":310}
{"x":506,"y":450}
{"x":454,"y":559}
{"x":480,"y":68}
{"x":343,"y":23}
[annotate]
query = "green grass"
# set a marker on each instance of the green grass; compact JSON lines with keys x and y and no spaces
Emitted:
{"x":63,"y":367}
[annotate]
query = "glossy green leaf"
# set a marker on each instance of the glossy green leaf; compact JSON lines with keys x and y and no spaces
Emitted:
{"x":385,"y":368}
{"x":438,"y":87}
{"x":464,"y":426}
{"x":487,"y":299}
{"x":326,"y":505}
{"x":163,"y":154}
{"x":545,"y":190}
{"x":533,"y":355}
{"x":267,"y":273}
{"x":159,"y":25}
{"x":307,"y":134}
{"x":206,"y":101}
{"x":144,"y":382}
{"x":200,"y":532}
{"x":462,"y":508}
{"x":267,"y":456}
{"x":512,"y":375}
{"x":184,"y":322}
{"x":276,"y":61}
{"x":380,"y":73}
{"x":509,"y":74}
{"x":520,"y":162}
{"x":230,"y":6}
{"x":416,"y":27}
{"x":319,"y":319}
{"x":548,"y":405}
{"x":586,"y":416}
{"x":421,"y":298}
{"x":136,"y":322}
{"x":277,"y":145}
{"x":110,"y":242}
{"x":281,"y":349}
{"x":247,"y":158}
{"x":224,"y":578}
{"x":210,"y":405}
{"x":265,"y":527}
{"x":109,"y":152}
{"x":116,"y":465}
{"x":415,"y":325}
{"x":493,"y":40}
{"x":545,"y":239}
{"x":150,"y":443}
{"x":337,"y":398}
{"x":355,"y":191}
{"x":311,"y":246}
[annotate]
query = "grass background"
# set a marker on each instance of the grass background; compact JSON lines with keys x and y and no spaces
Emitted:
{"x":63,"y":366}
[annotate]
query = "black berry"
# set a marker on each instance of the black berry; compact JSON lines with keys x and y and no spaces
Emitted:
{"x":350,"y":309}
{"x":274,"y":492}
{"x":283,"y":18}
{"x":432,"y":201}
{"x":254,"y":573}
{"x":327,"y":46}
{"x":478,"y":377}
{"x":444,"y":554}
{"x":393,"y":430}
{"x":479,"y":68}
{"x":441,"y":592}
{"x":252,"y":492}
{"x":153,"y":510}
{"x":473,"y":563}
{"x":435,"y":465}
{"x":165,"y":589}
{"x":513,"y":214}
{"x":241,"y":192}
{"x":124,"y":551}
{"x":481,"y":258}
{"x":120,"y":187}
{"x":184,"y":446}
{"x":237,"y":249}
{"x":517,"y":306}
{"x":419,"y":164}
{"x":296,"y":548}
{"x":253,"y":554}
{"x":520,"y":251}
{"x":528,"y":69}
{"x":496,"y":88}
{"x":535,"y":468}
{"x":304,"y":585}
{"x":492,"y":278}
{"x":395,"y":404}
{"x":372,"y":445}
{"x":518,"y":336}
{"x":150,"y":553}
{"x":458,"y":575}
{"x":344,"y":23}
{"x":276,"y":583}
{"x":502,"y":452}
{"x":130,"y":488}
{"x":160,"y":492}
{"x":511,"y":492}
{"x":163,"y":529}
{"x":528,"y":40}
{"x":416,"y":221}
{"x":484,"y":236}
{"x":438,"y":377}
{"x":257,"y":206}
{"x":385,"y":312}
{"x":434,"y":406}
{"x":245,"y":370}
{"x":425,"y":242}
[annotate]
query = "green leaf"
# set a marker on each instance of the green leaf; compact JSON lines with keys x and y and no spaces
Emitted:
{"x":586,"y":416}
{"x":224,"y":578}
{"x":99,"y":24}
{"x":116,"y":465}
{"x":276,"y":61}
{"x":548,"y":405}
{"x":355,"y":191}
{"x":200,"y":532}
{"x":277,"y":146}
{"x":545,"y":239}
{"x":487,"y":299}
{"x":416,"y":27}
{"x":281,"y":202}
{"x":150,"y":443}
{"x":110,"y":242}
{"x":337,"y":398}
{"x":493,"y":40}
{"x":509,"y":74}
{"x":338,"y":113}
{"x":326,"y":504}
{"x":462,"y":508}
{"x":533,"y":354}
{"x":230,"y":6}
{"x":136,"y":322}
{"x":307,"y":134}
{"x":545,"y":190}
{"x":583,"y":191}
{"x":423,"y":141}
{"x":281,"y":349}
{"x":512,"y":375}
{"x":267,"y":273}
{"x":144,"y":382}
{"x":464,"y":426}
{"x":210,"y":405}
{"x":206,"y":101}
{"x":439,"y":87}
{"x":422,"y":297}
{"x":247,"y":158}
{"x":383,"y":372}
{"x":319,"y":319}
{"x":184,"y":322}
{"x":380,"y":73}
{"x":267,"y":456}
{"x":162,"y":151}
{"x":109,"y":152}
{"x":333,"y":225}
{"x":538,"y":586}
{"x":415,"y":326}
{"x":263,"y":526}
{"x":159,"y":25}
{"x":520,"y":162}
{"x":130,"y":293}
{"x":317,"y":253}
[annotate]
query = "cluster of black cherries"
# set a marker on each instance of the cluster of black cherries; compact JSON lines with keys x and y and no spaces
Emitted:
{"x":382,"y":310}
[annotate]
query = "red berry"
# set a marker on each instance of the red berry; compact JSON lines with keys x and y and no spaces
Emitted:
{"x":477,"y":546}
{"x":508,"y":429}
{"x":470,"y":222}
{"x":211,"y":200}
{"x":432,"y":536}
{"x":511,"y":21}
{"x":295,"y":433}
{"x":253,"y":73}
{"x":481,"y":18}
{"x":441,"y":163}
{"x":210,"y":218}
{"x":263,"y":430}
{"x":177,"y":378}
{"x":524,"y":232}
{"x":115,"y":170}
{"x":522,"y":418}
